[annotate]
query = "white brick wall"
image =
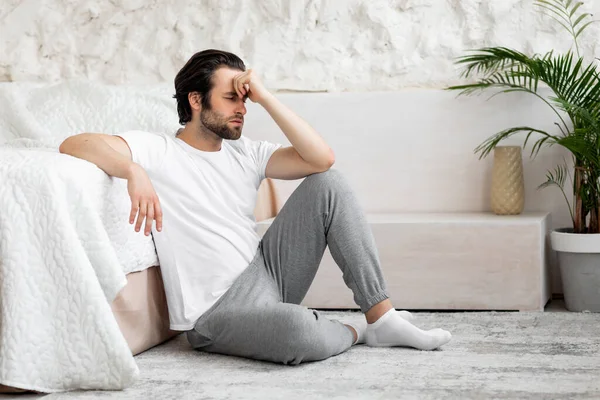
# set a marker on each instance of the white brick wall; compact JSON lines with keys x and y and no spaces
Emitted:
{"x":300,"y":45}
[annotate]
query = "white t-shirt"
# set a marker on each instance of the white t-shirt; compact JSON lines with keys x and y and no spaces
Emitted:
{"x":209,"y":229}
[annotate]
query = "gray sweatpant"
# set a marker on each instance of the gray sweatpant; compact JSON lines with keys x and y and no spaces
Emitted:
{"x":259,"y":317}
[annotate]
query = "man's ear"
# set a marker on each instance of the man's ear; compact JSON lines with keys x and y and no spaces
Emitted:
{"x":195,"y":100}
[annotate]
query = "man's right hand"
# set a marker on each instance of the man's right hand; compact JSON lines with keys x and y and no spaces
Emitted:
{"x":112,"y":154}
{"x":144,"y":200}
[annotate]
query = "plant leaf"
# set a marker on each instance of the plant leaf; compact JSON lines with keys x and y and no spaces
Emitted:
{"x":581,"y":17}
{"x":575,"y":8}
{"x":580,"y":31}
{"x":486,"y":147}
{"x":563,"y":23}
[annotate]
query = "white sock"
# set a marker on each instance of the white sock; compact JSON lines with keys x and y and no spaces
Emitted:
{"x":360,"y":325}
{"x":406,"y":315}
{"x":392,"y":330}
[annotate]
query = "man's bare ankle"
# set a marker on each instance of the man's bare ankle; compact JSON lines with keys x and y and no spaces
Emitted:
{"x":375,"y":312}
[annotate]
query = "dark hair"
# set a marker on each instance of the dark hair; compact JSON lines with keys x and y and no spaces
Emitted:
{"x":196,"y":76}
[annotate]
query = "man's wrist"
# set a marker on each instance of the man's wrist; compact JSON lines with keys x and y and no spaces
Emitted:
{"x":131,"y":169}
{"x":266,"y":98}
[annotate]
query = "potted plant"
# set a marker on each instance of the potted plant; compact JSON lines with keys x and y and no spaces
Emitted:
{"x":570,"y":86}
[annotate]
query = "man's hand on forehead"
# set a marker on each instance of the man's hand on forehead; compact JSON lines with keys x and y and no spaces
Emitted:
{"x":248,"y":85}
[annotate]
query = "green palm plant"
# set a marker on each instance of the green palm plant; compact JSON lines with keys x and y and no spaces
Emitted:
{"x":574,"y":87}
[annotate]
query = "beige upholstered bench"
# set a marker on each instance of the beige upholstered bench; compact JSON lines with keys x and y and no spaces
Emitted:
{"x":458,"y":261}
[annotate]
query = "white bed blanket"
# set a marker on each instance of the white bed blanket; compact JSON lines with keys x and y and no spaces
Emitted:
{"x":65,"y":240}
{"x":59,"y":272}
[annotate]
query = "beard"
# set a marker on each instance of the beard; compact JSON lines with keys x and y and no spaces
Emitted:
{"x":218,"y":124}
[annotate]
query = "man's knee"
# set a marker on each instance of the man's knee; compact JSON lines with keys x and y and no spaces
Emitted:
{"x":331,"y":175}
{"x":331,"y":179}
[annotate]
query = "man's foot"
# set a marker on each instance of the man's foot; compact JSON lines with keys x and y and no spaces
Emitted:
{"x":393,"y":330}
{"x":406,"y":315}
{"x":360,"y":324}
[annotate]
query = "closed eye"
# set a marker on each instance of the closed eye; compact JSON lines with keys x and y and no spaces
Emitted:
{"x":234,"y":98}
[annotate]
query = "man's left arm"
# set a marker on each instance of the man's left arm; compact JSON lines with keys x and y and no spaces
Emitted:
{"x":307,"y":155}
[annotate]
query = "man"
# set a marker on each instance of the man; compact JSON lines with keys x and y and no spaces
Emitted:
{"x":230,"y":291}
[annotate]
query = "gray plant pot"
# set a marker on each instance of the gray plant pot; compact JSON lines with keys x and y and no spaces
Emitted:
{"x":579,"y":263}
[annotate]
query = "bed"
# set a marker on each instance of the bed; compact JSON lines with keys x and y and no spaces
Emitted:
{"x":80,"y":292}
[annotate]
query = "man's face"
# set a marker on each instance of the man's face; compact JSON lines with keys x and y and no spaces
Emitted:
{"x":226,"y":114}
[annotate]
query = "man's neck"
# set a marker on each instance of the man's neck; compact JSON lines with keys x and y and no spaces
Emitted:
{"x":200,"y":138}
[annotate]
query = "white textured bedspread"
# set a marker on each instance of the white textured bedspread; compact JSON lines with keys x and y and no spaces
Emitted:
{"x":65,"y":240}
